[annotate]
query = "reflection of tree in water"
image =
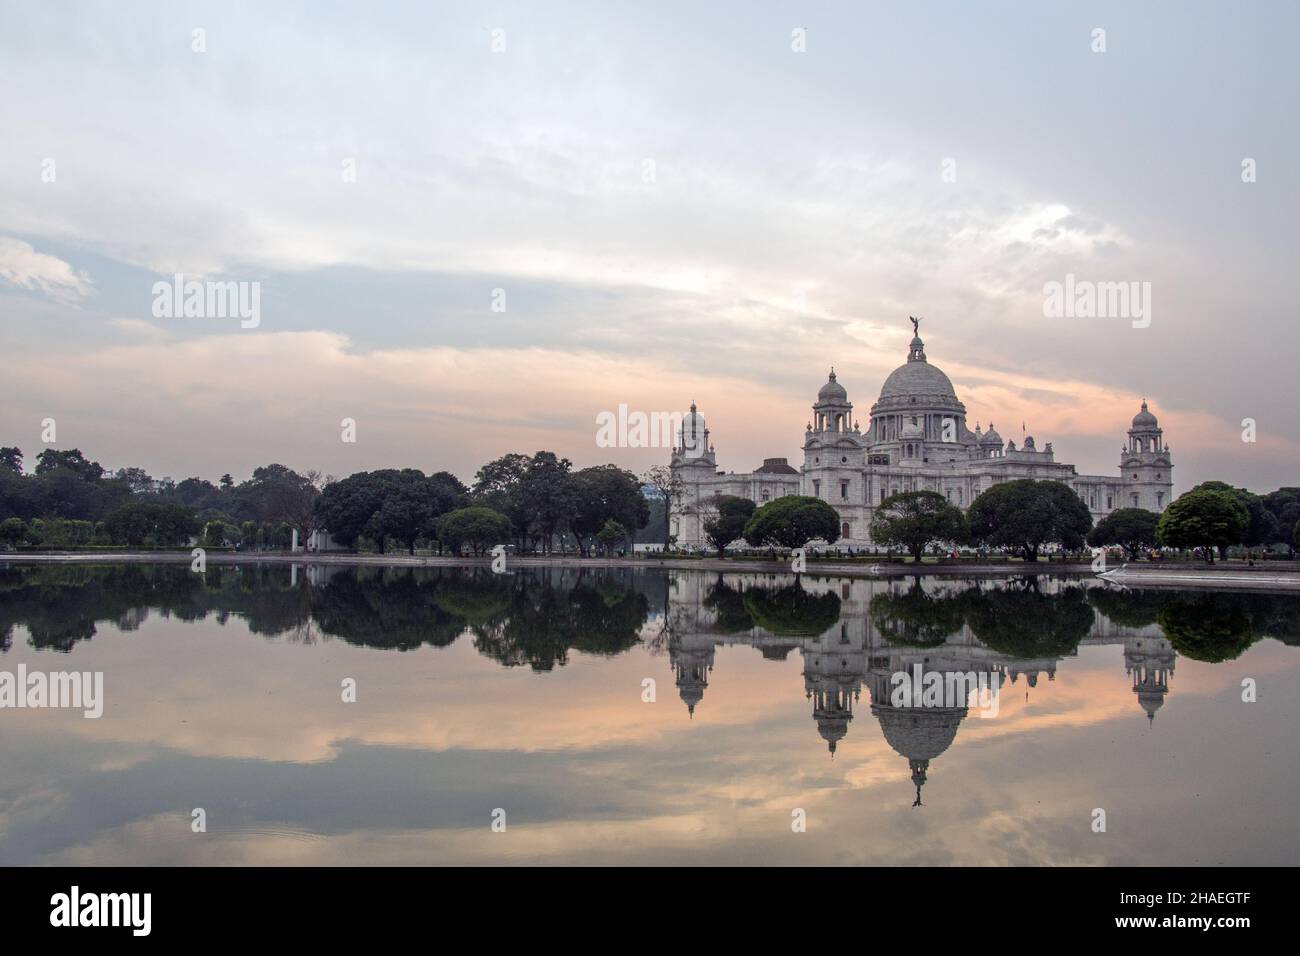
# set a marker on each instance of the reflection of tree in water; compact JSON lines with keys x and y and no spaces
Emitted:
{"x":61,"y":605}
{"x":543,"y":622}
{"x":386,"y":608}
{"x":791,"y":611}
{"x":1127,"y":607}
{"x":728,"y":606}
{"x":1207,"y":627}
{"x":1019,"y":620}
{"x":916,"y":618}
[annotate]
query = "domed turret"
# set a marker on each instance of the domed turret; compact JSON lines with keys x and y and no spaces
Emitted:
{"x":1144,"y":419}
{"x":833,"y":411}
{"x":832,"y":392}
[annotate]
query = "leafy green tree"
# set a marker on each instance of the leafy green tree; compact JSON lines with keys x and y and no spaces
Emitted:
{"x":549,"y":496}
{"x":1025,"y":515}
{"x":499,"y":485}
{"x":914,"y":520}
{"x":476,"y":526}
{"x":792,"y":521}
{"x":214,"y":534}
{"x":70,"y":460}
{"x":612,"y":534}
{"x":729,"y":525}
{"x":139,"y":481}
{"x":1284,"y":505}
{"x":1204,"y":520}
{"x":277,"y":493}
{"x":1133,"y":529}
{"x":603,"y":494}
{"x":11,"y":458}
{"x":1261,"y":526}
{"x":13,"y":531}
{"x":346,"y":507}
{"x":138,"y":523}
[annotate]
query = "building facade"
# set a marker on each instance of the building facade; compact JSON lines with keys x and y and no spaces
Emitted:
{"x":916,"y":439}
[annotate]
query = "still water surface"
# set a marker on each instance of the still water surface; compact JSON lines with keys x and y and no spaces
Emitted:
{"x":644,"y":716}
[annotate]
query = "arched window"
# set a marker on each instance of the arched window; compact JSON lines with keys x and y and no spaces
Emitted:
{"x":844,"y":530}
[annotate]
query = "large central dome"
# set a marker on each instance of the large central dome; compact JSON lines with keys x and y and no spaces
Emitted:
{"x":917,"y":379}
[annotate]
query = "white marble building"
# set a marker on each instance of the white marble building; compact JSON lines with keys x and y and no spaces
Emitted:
{"x":916,"y":439}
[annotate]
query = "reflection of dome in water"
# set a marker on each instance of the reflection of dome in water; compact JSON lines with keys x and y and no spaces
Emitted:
{"x":1151,"y":701}
{"x":833,"y":729}
{"x":920,"y":734}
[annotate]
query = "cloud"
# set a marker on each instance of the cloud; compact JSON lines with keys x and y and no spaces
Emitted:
{"x":24,"y":267}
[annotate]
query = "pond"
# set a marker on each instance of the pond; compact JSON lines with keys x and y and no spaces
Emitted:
{"x":274,"y":714}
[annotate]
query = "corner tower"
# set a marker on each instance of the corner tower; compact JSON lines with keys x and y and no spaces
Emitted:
{"x":1146,"y":465}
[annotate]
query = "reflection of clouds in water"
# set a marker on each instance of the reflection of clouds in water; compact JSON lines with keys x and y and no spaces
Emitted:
{"x":566,"y":739}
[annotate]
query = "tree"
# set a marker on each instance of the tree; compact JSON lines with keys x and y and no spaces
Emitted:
{"x":1261,"y":527}
{"x":915,"y":519}
{"x":611,"y":534}
{"x":137,"y":479}
{"x":139,"y":523}
{"x":276,"y":493}
{"x":11,"y":458}
{"x":549,"y":495}
{"x":476,"y":526}
{"x":72,"y":460}
{"x":1133,"y":529}
{"x":214,"y":534}
{"x":1284,"y":505}
{"x":13,"y":531}
{"x":792,"y":521}
{"x":670,"y":488}
{"x":345,"y":507}
{"x":603,"y":494}
{"x":1026,"y":515}
{"x":499,"y":485}
{"x":733,"y":514}
{"x":1204,"y":520}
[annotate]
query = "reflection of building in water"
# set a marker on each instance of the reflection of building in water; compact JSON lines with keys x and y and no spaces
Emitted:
{"x":691,"y":666}
{"x":853,"y":652}
{"x":1150,"y":661}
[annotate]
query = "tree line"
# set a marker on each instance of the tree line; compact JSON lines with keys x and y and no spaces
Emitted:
{"x":1024,"y":517}
{"x":536,"y":502}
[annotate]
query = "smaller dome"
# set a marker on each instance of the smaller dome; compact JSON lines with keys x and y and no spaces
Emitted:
{"x":991,"y":437}
{"x":1144,"y":418}
{"x":693,"y":423}
{"x":832,"y":391}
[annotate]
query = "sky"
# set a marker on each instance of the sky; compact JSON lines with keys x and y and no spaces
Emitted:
{"x":476,"y":227}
